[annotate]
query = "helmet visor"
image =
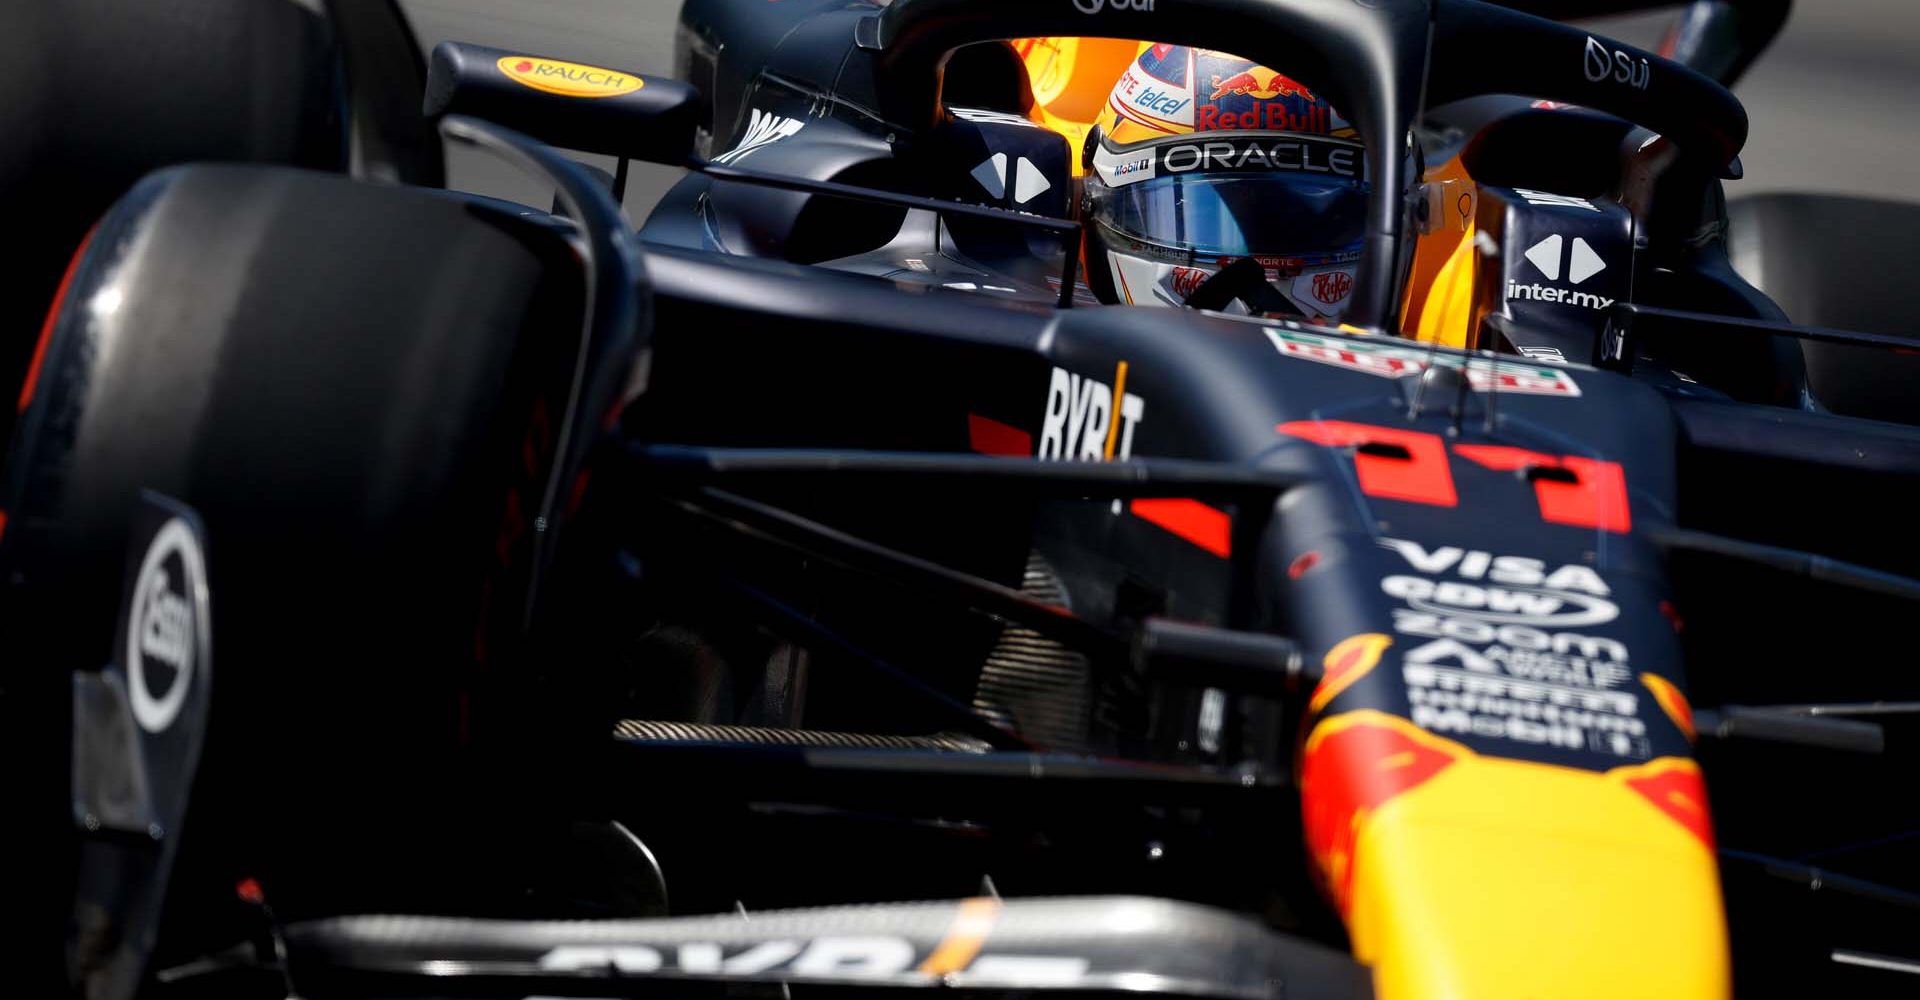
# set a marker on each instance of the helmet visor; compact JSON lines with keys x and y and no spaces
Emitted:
{"x":1239,"y":215}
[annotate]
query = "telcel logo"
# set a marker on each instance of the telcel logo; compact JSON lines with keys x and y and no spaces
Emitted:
{"x":1160,"y":102}
{"x":1096,"y":6}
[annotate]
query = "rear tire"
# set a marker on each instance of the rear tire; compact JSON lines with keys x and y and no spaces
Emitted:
{"x":96,"y":93}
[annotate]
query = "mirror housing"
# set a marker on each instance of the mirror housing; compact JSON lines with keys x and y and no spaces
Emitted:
{"x":566,"y":104}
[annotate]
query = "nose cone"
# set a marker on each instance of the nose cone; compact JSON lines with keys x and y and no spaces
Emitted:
{"x":1464,"y":877}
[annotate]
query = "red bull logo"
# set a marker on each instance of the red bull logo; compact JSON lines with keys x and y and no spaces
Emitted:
{"x":1259,"y":83}
{"x":1274,"y":117}
{"x":1352,"y":765}
{"x":1672,"y":701}
{"x":1348,"y":661}
{"x":1675,"y":787}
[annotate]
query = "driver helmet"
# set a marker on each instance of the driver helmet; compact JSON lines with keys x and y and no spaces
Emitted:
{"x":1202,"y":158}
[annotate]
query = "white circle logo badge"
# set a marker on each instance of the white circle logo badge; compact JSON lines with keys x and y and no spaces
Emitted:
{"x":166,"y":626}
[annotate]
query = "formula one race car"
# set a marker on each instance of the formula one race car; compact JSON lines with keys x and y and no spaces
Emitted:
{"x":822,"y":589}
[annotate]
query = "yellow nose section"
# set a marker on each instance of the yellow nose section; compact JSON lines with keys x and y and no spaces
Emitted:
{"x":1465,"y":877}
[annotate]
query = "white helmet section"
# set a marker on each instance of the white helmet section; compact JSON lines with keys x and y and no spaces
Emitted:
{"x":1321,"y":293}
{"x":1142,"y":97}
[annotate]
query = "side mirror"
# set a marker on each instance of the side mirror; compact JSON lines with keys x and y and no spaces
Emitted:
{"x":571,"y":105}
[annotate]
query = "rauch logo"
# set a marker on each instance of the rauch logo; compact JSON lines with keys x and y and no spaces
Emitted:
{"x":568,"y":79}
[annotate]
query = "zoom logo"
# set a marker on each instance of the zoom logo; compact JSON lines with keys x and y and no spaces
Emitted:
{"x":1097,"y":6}
{"x":1603,"y":63}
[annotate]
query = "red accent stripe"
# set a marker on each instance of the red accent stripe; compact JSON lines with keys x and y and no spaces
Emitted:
{"x":1422,"y":477}
{"x":991,"y":437}
{"x":1348,"y":773}
{"x":1192,"y":520}
{"x":1597,"y":500}
{"x":46,"y":326}
{"x":579,"y":491}
{"x":1682,"y":795}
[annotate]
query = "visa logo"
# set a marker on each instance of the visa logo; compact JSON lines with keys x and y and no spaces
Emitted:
{"x":1161,"y":102}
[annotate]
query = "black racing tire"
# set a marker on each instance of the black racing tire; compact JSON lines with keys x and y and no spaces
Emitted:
{"x":356,"y":388}
{"x":94,"y":94}
{"x":1843,"y":262}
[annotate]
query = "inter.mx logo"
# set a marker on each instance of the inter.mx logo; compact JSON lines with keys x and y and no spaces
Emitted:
{"x":1581,"y":262}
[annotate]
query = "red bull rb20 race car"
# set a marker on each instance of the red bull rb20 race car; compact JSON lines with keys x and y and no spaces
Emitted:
{"x":1341,"y":530}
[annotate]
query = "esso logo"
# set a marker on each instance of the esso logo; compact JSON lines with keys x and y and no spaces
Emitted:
{"x":1098,"y":6}
{"x":167,"y":627}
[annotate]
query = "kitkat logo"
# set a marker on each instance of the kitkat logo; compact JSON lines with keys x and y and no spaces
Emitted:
{"x":568,"y":79}
{"x":1187,"y":280}
{"x":1332,"y":287}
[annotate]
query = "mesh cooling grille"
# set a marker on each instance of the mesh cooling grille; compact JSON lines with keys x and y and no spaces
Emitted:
{"x":1032,"y":684}
{"x":647,"y":731}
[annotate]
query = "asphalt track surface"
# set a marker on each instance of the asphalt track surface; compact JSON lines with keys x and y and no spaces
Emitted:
{"x":1835,"y":105}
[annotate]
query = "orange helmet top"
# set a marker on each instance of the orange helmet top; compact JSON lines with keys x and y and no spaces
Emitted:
{"x":1176,"y":90}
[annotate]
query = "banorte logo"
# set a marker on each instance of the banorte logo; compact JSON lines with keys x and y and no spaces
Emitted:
{"x":1259,"y":83}
{"x":1097,"y":6}
{"x":568,"y":79}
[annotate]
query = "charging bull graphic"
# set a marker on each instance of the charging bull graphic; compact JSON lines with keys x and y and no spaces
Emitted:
{"x":1236,"y":94}
{"x":1259,"y":83}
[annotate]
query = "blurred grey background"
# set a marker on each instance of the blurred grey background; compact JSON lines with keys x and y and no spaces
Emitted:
{"x":1832,"y":104}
